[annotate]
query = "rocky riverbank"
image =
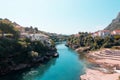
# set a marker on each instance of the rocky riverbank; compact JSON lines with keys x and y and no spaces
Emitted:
{"x":107,"y":65}
{"x":82,"y":49}
{"x":36,"y":61}
{"x":99,"y":75}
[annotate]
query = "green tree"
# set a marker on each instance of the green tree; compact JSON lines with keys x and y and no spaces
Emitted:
{"x":7,"y":27}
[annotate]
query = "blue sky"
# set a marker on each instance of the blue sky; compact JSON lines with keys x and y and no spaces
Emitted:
{"x":61,"y":16}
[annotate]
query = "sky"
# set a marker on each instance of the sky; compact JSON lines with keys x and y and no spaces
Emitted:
{"x":61,"y":16}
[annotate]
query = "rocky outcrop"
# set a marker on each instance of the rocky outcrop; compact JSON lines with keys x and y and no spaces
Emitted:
{"x":56,"y":55}
{"x":83,"y":49}
{"x":105,"y":58}
{"x":106,"y":65}
{"x":98,"y":75}
{"x":115,"y":24}
{"x":36,"y":61}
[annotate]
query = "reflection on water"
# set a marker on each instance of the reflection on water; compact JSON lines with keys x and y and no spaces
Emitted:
{"x":29,"y":73}
{"x":69,"y":66}
{"x":39,"y":71}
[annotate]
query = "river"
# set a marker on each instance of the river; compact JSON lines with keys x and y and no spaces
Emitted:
{"x":68,"y":66}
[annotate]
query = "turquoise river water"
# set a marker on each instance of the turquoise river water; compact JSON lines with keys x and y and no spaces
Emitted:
{"x":68,"y":66}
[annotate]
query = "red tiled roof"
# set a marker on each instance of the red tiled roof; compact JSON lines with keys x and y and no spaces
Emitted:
{"x":96,"y":33}
{"x":118,"y":30}
{"x":77,"y":35}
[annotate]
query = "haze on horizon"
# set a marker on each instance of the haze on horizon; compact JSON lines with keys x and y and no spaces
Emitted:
{"x":61,"y":16}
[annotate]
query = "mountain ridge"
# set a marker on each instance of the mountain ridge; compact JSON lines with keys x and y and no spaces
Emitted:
{"x":115,"y":24}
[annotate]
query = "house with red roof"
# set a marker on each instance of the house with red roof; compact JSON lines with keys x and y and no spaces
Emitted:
{"x":115,"y":32}
{"x":77,"y":35}
{"x":101,"y":33}
{"x":95,"y":34}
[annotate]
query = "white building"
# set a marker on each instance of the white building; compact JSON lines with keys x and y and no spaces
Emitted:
{"x":115,"y":32}
{"x":37,"y":37}
{"x":101,"y":33}
{"x":104,"y":33}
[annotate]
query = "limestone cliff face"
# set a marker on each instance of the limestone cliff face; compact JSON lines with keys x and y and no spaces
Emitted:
{"x":115,"y":24}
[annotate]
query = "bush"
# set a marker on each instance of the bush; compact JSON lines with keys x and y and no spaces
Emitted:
{"x":34,"y":54}
{"x":85,"y":40}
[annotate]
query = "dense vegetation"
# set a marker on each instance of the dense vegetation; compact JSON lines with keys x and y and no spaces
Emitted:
{"x":16,"y":51}
{"x":55,"y":37}
{"x":86,"y":40}
{"x":6,"y":27}
{"x":31,"y":30}
{"x":59,"y":38}
{"x":20,"y":51}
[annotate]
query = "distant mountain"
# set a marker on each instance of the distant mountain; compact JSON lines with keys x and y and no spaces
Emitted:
{"x":115,"y":24}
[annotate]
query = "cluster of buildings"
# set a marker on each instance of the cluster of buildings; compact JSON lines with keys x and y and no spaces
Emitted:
{"x":104,"y":33}
{"x":37,"y":37}
{"x":34,"y":36}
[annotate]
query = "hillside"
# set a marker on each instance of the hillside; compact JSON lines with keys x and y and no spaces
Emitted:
{"x":17,"y":53}
{"x":31,"y":30}
{"x":115,"y":24}
{"x":7,"y":28}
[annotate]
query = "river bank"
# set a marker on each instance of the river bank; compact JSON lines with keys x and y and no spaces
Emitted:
{"x":106,"y":64}
{"x":68,"y":66}
{"x":98,"y":75}
{"x":36,"y":61}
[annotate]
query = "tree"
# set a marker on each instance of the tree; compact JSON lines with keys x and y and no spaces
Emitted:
{"x":7,"y":27}
{"x":36,"y":29}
